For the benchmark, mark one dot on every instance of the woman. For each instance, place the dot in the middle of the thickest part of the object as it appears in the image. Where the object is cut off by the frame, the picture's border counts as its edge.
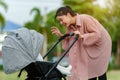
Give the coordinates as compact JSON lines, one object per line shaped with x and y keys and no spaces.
{"x":90,"y":55}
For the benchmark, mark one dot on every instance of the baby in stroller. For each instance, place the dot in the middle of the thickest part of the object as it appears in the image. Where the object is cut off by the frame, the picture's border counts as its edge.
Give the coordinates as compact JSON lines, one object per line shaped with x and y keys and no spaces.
{"x":21,"y":52}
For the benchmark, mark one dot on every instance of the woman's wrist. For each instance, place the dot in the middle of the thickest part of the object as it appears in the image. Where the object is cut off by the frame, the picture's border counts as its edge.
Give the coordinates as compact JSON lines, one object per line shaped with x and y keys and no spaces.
{"x":60,"y":35}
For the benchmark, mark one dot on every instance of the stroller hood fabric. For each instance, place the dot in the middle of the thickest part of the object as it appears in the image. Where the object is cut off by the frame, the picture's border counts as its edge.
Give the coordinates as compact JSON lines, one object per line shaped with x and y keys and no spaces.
{"x":20,"y":48}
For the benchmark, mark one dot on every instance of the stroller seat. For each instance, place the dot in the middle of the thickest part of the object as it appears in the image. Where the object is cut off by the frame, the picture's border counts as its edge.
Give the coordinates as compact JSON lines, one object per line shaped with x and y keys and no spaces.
{"x":38,"y":70}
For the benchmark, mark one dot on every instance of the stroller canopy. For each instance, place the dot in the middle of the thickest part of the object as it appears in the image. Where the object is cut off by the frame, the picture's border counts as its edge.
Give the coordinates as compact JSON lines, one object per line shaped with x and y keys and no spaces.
{"x":20,"y":48}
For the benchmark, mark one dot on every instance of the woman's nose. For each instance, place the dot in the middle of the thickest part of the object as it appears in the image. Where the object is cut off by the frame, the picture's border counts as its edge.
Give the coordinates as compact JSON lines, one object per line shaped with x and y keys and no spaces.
{"x":61,"y":22}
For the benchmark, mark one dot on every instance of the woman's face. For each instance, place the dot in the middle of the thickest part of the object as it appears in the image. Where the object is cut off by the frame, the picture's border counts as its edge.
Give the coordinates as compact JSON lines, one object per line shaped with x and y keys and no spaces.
{"x":65,"y":20}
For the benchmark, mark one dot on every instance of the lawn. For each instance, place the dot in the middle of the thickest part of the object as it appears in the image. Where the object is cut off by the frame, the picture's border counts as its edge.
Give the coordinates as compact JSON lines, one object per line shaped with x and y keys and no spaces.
{"x":112,"y":75}
{"x":13,"y":76}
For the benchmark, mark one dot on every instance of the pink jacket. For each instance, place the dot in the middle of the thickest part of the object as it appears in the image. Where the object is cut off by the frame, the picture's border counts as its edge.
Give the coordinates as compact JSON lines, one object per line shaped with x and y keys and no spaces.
{"x":89,"y":56}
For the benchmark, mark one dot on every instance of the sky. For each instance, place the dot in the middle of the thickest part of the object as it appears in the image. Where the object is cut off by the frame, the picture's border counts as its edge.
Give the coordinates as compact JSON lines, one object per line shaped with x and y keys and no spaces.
{"x":101,"y":2}
{"x":19,"y":10}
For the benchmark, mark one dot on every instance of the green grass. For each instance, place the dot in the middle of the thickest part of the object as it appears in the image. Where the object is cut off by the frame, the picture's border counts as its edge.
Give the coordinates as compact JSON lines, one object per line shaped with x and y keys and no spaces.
{"x":112,"y":75}
{"x":13,"y":76}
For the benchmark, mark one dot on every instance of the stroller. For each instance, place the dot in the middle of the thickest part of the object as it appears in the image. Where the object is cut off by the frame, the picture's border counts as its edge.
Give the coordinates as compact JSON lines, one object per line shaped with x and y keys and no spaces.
{"x":20,"y":50}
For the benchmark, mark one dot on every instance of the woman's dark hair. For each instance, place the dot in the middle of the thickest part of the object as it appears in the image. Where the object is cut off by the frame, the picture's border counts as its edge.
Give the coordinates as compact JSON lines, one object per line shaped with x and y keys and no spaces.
{"x":64,"y":10}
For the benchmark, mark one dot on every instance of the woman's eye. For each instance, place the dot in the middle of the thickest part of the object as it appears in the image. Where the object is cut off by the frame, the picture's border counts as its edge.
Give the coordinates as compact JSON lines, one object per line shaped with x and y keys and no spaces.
{"x":61,"y":20}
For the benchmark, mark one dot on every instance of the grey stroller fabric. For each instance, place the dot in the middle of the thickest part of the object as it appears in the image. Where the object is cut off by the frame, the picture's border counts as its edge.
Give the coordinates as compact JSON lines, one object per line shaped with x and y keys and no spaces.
{"x":20,"y":48}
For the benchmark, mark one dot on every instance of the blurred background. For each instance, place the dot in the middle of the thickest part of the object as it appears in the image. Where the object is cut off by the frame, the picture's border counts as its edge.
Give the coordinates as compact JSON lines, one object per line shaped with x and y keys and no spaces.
{"x":39,"y":15}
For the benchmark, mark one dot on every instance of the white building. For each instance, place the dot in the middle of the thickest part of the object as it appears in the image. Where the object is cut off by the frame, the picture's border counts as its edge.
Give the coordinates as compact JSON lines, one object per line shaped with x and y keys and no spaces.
{"x":1,"y":40}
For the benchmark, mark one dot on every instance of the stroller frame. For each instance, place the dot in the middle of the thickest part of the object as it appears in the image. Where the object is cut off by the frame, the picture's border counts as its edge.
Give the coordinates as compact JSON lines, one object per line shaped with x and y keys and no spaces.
{"x":54,"y":65}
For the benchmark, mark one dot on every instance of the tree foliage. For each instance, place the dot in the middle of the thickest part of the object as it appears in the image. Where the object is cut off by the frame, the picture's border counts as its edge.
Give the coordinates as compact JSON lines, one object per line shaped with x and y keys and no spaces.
{"x":36,"y":23}
{"x":2,"y":19}
{"x":114,"y":8}
{"x":115,"y":16}
{"x":80,"y":6}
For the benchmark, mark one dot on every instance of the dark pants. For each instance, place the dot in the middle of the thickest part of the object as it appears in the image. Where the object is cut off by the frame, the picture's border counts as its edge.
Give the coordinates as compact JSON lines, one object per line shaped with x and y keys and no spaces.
{"x":103,"y":77}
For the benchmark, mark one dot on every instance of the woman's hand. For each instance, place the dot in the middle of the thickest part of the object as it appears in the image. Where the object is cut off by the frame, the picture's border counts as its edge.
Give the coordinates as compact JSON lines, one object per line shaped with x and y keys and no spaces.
{"x":77,"y":32}
{"x":56,"y":31}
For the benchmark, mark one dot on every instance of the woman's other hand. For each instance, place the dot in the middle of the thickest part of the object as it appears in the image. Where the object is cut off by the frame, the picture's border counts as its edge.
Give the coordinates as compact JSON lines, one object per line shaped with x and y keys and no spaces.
{"x":56,"y":31}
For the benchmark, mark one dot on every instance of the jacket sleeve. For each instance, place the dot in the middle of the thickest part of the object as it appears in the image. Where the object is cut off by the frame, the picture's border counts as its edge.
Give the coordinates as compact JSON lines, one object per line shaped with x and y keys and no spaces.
{"x":93,"y":34}
{"x":65,"y":43}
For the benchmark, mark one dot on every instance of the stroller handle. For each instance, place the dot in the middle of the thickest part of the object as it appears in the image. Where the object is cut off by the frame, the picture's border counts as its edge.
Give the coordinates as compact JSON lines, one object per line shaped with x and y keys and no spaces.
{"x":60,"y":39}
{"x":57,"y":62}
{"x":66,"y":35}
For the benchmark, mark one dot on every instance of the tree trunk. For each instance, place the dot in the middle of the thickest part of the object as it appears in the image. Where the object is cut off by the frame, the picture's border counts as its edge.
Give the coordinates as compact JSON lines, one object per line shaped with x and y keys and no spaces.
{"x":117,"y":61}
{"x":44,"y":50}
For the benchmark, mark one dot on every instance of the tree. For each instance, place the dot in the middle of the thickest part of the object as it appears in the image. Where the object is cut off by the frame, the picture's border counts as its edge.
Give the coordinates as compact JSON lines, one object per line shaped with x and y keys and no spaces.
{"x":80,"y":6}
{"x":36,"y":22}
{"x":2,"y":19}
{"x":114,"y":7}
